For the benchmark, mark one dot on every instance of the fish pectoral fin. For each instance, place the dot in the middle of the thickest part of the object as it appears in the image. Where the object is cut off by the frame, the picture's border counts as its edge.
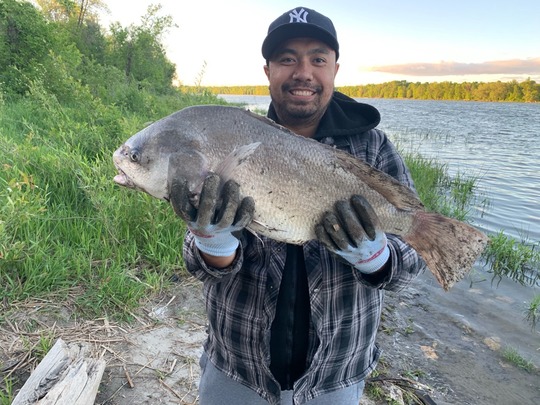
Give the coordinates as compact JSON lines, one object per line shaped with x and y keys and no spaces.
{"x":260,"y":224}
{"x":257,"y":225}
{"x":235,"y":159}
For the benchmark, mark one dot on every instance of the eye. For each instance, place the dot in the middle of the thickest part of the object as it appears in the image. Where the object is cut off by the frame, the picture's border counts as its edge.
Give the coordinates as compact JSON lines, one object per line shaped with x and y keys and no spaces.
{"x":286,"y":60}
{"x":134,"y":155}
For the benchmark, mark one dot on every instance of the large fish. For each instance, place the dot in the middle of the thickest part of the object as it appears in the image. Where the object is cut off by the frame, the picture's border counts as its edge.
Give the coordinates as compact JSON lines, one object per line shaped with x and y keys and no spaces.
{"x":292,"y":179}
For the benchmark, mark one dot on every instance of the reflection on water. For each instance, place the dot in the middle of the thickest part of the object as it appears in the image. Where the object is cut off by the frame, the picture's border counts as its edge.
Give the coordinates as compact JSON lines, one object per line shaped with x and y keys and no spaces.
{"x":500,"y":144}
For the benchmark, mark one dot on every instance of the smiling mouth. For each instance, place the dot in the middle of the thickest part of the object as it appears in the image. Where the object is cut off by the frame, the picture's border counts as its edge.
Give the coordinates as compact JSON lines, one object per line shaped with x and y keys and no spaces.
{"x":302,"y":93}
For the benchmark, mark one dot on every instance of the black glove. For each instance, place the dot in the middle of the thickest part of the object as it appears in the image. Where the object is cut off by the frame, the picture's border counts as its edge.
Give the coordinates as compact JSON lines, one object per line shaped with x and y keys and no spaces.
{"x":354,"y":233}
{"x":217,"y":215}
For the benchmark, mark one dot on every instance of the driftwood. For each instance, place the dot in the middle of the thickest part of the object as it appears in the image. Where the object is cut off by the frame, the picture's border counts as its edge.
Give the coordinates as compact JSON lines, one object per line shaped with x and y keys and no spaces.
{"x":65,"y":376}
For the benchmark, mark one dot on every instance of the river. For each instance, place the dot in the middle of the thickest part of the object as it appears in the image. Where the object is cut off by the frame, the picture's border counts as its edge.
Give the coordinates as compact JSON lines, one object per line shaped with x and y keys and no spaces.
{"x":500,"y":144}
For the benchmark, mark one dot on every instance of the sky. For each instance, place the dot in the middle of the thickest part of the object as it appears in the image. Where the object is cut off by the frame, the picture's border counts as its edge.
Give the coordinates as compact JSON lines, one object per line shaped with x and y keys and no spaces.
{"x":219,"y":41}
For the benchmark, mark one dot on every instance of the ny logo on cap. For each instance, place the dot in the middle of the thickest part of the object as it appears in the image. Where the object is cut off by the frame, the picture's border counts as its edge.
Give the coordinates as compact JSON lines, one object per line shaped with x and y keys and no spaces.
{"x":298,"y":16}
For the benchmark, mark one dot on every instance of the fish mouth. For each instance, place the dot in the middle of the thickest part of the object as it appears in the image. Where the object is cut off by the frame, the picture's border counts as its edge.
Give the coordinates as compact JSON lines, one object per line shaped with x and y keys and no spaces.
{"x":123,"y":179}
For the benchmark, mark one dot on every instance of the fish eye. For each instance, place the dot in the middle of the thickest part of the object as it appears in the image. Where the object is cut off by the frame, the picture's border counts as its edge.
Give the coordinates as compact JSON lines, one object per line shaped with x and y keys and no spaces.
{"x":134,"y":155}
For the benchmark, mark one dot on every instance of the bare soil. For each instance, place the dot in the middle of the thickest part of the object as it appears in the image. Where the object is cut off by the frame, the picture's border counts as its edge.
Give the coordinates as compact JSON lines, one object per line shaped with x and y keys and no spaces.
{"x":155,"y":359}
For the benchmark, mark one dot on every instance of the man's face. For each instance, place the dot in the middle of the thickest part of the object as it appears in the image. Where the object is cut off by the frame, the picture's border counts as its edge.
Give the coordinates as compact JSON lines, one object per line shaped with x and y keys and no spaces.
{"x":301,"y":74}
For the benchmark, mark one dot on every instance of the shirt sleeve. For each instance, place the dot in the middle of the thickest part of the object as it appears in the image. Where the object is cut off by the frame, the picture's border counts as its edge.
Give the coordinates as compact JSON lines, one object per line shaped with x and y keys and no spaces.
{"x":196,"y":266}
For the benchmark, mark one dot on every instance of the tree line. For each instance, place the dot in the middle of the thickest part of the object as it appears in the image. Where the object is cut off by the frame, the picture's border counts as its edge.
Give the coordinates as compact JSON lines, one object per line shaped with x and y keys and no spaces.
{"x":525,"y":91}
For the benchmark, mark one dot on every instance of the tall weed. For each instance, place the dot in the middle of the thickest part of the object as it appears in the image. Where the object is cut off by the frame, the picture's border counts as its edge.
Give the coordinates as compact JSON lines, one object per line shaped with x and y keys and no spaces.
{"x":451,"y":196}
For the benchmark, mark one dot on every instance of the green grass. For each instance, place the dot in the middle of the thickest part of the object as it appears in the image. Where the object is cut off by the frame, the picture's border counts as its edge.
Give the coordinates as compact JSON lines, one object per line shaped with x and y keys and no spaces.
{"x":440,"y":192}
{"x":512,"y":356}
{"x":519,"y":261}
{"x":7,"y":392}
{"x":532,"y":313}
{"x":515,"y":259}
{"x":64,"y":224}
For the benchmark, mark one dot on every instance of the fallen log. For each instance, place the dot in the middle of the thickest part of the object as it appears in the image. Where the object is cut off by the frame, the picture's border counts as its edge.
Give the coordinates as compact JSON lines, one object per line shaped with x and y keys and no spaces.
{"x":67,"y":375}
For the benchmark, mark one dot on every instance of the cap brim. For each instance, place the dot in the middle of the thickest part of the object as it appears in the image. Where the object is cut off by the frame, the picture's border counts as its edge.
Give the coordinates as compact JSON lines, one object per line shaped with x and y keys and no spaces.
{"x":288,"y":31}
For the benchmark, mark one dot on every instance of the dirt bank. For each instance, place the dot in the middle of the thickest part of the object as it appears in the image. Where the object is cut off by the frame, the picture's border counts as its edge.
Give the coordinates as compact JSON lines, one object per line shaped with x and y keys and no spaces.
{"x":155,"y":360}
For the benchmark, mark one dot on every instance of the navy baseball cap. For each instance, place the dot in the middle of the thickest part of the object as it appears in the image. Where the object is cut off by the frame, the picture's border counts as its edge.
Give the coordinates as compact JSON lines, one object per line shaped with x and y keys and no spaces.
{"x":300,"y":22}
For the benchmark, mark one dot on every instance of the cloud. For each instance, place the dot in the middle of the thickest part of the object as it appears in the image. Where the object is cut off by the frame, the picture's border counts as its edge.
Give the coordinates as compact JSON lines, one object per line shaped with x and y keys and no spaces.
{"x":512,"y":66}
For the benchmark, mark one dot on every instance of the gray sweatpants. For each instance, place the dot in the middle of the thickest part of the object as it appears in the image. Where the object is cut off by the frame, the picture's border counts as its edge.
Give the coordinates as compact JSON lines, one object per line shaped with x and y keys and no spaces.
{"x":216,"y":388}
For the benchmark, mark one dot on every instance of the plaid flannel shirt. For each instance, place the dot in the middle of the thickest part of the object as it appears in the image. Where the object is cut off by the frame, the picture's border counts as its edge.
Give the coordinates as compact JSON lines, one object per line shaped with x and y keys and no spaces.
{"x":345,"y":306}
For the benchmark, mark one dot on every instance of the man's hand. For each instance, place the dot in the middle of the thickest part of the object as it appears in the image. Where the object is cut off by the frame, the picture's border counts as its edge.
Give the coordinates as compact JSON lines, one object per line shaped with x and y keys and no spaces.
{"x":354,"y":233}
{"x":217,"y":216}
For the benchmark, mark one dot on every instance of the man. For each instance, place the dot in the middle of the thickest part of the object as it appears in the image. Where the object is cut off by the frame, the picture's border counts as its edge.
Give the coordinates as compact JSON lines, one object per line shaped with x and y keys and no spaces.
{"x":297,"y":324}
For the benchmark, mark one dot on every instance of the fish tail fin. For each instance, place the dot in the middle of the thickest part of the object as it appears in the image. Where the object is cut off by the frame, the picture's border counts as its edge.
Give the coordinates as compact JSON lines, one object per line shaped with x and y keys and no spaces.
{"x":448,"y":247}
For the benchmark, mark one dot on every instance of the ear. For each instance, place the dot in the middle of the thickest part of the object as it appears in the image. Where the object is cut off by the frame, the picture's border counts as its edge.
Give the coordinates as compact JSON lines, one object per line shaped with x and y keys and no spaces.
{"x":267,"y":71}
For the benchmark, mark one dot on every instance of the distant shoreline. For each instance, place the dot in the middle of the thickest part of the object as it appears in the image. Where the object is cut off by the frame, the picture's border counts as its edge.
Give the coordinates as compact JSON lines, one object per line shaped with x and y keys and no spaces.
{"x":527,"y":91}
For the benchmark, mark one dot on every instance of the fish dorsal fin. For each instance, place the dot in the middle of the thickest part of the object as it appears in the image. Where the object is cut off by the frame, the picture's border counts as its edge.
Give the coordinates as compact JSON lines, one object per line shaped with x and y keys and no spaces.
{"x":396,"y":193}
{"x":235,"y":159}
{"x":269,"y":121}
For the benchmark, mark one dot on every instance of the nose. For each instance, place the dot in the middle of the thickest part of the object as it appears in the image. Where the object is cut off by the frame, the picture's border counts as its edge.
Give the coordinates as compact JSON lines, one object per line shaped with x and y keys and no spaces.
{"x":303,"y":71}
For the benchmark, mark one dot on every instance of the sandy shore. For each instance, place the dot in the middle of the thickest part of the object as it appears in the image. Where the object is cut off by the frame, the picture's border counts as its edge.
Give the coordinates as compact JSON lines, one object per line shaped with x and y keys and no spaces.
{"x":425,"y":355}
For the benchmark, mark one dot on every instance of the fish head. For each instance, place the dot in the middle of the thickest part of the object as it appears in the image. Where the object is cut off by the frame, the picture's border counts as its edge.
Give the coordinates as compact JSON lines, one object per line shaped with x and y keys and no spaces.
{"x":151,"y":158}
{"x":141,"y":166}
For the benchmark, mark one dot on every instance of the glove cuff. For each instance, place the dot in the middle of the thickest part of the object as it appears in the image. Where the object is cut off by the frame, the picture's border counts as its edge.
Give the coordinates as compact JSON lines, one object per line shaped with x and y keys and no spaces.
{"x":375,"y":262}
{"x":221,"y":244}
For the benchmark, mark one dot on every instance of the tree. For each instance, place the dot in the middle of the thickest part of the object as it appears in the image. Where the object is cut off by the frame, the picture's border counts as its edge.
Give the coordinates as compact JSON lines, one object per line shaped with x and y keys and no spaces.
{"x":516,"y":94}
{"x":138,"y":51}
{"x":531,"y":91}
{"x":66,"y":10}
{"x":498,"y":91}
{"x":25,"y":42}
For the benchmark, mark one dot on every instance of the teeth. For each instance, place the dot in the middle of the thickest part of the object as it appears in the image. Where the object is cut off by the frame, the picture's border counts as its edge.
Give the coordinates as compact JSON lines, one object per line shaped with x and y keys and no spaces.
{"x":302,"y":92}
